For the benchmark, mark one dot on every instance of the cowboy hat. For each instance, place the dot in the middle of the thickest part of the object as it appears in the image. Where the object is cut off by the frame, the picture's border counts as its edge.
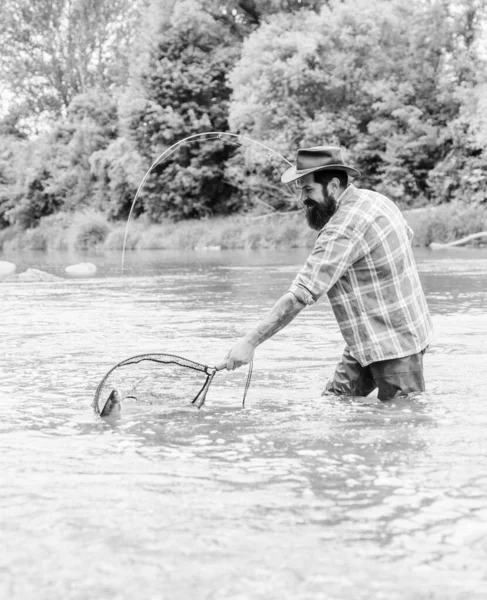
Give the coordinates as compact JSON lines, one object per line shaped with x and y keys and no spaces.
{"x":318,"y":158}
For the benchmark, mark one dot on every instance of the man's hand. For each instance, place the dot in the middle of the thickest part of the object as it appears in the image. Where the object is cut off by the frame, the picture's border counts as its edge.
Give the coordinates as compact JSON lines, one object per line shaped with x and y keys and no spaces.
{"x":241,"y":354}
{"x":282,"y":313}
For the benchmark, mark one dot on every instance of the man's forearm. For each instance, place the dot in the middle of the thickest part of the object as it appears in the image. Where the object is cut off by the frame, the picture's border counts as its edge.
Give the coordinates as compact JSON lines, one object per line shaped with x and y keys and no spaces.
{"x":281,"y":314}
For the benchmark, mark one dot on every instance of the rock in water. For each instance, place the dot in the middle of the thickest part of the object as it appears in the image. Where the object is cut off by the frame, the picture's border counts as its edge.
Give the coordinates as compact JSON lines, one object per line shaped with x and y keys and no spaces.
{"x":85,"y":269}
{"x":6,"y":268}
{"x":37,"y":275}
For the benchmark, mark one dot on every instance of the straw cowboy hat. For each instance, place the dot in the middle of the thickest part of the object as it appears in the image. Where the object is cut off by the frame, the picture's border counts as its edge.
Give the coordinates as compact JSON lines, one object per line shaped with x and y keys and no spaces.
{"x":318,"y":158}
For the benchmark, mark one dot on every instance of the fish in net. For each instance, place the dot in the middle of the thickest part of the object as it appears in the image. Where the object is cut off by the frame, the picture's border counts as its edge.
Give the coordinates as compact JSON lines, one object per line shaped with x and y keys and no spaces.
{"x":155,"y":378}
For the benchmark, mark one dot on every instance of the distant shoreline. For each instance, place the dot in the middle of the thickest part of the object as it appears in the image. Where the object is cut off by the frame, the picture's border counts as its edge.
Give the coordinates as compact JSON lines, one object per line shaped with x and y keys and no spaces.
{"x":90,"y":230}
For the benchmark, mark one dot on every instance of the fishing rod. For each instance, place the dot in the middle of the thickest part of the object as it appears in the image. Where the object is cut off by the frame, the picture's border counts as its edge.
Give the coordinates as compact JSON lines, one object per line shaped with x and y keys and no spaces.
{"x":269,"y":152}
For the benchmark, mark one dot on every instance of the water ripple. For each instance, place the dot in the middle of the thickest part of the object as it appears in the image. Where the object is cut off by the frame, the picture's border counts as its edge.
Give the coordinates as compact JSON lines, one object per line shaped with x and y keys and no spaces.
{"x":295,"y":496}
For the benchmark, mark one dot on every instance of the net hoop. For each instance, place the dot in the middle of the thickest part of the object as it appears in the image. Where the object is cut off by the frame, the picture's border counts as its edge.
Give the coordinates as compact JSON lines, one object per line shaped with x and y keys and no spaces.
{"x":168,"y":359}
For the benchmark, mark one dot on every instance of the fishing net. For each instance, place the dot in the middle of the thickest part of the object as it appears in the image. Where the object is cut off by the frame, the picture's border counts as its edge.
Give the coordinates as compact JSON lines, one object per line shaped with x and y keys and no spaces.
{"x":158,"y":379}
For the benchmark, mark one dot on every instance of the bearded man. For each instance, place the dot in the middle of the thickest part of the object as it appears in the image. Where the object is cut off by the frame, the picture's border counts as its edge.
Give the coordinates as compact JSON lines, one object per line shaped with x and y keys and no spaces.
{"x":363,"y":261}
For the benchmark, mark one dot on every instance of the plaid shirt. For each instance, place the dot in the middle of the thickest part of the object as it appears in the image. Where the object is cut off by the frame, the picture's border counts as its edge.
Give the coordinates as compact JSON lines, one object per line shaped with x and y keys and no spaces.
{"x":364,"y":261}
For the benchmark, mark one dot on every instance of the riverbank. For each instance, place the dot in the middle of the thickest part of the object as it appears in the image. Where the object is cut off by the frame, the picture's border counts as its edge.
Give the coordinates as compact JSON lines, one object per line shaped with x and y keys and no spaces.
{"x":91,"y":230}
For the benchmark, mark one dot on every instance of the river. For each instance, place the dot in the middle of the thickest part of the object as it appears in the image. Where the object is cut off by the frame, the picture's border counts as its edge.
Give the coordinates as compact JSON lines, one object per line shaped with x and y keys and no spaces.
{"x":292,"y":497}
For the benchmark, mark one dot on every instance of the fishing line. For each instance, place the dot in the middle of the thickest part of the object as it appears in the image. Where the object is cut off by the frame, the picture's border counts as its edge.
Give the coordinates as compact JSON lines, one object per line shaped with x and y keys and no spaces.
{"x":267,"y":152}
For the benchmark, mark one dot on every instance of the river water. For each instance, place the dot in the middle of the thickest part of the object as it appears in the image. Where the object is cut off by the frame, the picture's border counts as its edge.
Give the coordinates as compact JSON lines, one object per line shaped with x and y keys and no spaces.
{"x":293,"y":497}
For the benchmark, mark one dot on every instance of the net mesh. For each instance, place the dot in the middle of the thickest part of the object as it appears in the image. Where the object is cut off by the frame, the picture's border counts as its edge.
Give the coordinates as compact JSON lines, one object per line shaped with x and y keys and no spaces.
{"x":158,"y":378}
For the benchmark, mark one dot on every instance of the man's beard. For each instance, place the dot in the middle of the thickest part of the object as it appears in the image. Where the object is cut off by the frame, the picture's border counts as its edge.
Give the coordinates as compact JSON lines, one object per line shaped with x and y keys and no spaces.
{"x":318,"y":215}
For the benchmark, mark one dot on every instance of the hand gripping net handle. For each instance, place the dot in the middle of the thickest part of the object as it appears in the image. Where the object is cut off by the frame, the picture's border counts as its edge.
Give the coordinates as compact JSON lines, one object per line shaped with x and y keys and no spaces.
{"x":200,"y":397}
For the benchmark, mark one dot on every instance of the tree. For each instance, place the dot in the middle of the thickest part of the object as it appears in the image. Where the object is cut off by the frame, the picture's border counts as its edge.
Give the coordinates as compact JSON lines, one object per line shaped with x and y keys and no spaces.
{"x":57,"y":174}
{"x":13,"y":157}
{"x":183,"y":91}
{"x":461,"y":174}
{"x":56,"y":49}
{"x":302,"y":78}
{"x":423,"y":95}
{"x":118,"y":171}
{"x":377,"y":78}
{"x":243,"y":16}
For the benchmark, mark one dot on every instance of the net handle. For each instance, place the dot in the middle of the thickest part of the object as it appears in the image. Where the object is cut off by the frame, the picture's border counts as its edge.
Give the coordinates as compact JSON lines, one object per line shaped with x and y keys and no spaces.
{"x":223,"y":365}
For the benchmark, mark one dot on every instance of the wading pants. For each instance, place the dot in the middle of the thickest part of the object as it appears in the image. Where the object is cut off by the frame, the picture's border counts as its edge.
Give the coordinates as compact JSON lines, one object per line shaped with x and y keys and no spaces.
{"x":393,"y":378}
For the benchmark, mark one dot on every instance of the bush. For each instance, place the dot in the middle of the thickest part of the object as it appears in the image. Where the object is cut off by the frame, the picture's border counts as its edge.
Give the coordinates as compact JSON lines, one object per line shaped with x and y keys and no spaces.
{"x":445,"y":223}
{"x":89,"y":230}
{"x":6,"y":235}
{"x":35,"y":239}
{"x":115,"y":239}
{"x":26,"y":239}
{"x":157,"y":237}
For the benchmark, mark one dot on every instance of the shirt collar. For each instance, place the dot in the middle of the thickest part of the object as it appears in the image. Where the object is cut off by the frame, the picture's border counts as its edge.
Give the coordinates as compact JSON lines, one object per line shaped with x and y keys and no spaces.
{"x":347,"y":189}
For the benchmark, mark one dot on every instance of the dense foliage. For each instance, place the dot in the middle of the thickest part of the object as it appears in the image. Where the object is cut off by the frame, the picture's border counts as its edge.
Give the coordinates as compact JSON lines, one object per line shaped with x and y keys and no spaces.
{"x":96,"y":91}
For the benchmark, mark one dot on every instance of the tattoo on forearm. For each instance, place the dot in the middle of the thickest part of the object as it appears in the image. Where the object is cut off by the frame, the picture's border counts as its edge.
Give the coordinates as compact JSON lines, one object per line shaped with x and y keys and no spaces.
{"x":281,"y":314}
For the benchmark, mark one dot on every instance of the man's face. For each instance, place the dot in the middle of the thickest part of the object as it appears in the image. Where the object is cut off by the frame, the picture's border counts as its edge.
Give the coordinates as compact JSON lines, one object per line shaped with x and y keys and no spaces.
{"x":319,"y":204}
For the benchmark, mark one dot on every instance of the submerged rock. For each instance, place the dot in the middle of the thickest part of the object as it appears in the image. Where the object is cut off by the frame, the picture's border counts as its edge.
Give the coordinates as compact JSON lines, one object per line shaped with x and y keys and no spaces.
{"x":37,"y":275}
{"x":6,"y":268}
{"x":85,"y":269}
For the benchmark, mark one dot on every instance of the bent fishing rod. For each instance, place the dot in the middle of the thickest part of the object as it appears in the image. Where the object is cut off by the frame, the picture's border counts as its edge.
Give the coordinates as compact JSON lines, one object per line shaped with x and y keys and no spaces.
{"x":263,"y":149}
